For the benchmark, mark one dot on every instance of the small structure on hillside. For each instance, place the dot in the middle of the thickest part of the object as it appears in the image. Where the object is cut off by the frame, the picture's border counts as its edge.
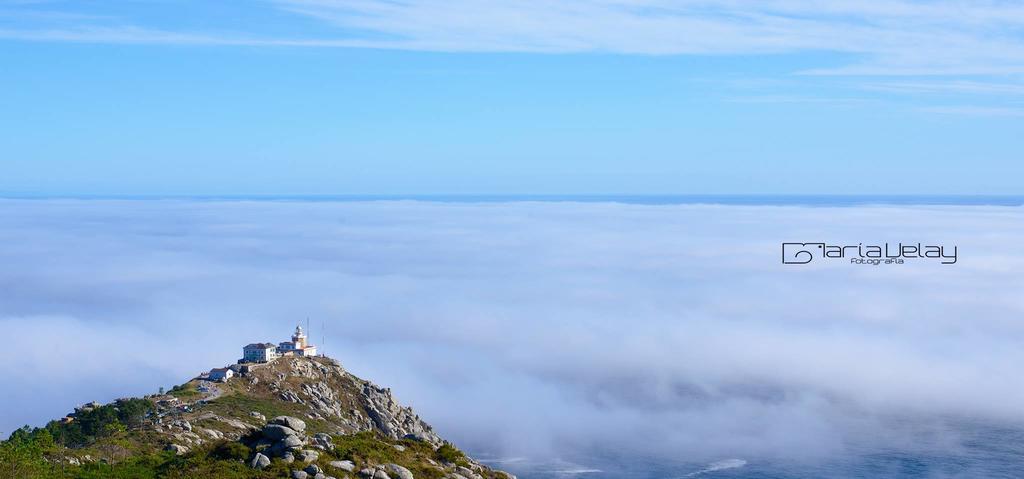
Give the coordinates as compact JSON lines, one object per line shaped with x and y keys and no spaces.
{"x":87,"y":407}
{"x":220,"y":374}
{"x":267,"y":352}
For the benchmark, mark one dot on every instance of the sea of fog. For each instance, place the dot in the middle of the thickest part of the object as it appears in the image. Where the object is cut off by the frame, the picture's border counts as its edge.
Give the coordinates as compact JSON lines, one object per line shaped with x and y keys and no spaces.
{"x":985,"y":451}
{"x":554,"y":336}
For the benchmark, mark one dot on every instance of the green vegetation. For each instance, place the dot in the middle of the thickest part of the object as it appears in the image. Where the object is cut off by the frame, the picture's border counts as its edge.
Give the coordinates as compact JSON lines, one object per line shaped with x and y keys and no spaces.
{"x":30,"y":453}
{"x":136,"y":467}
{"x":230,"y":450}
{"x":365,"y":447}
{"x":168,"y":466}
{"x":33,"y":454}
{"x":371,"y":448}
{"x":238,"y":405}
{"x":23,"y":455}
{"x":184,"y":391}
{"x":451,"y":454}
{"x":123,"y":440}
{"x":100,"y":422}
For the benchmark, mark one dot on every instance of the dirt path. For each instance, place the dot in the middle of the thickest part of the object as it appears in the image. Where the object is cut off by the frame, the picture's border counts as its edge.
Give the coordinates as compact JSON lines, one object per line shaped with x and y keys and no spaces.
{"x":213,"y":391}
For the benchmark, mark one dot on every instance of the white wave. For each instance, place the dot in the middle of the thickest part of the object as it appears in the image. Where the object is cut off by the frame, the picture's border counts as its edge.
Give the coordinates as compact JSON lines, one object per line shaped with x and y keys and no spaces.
{"x":719,"y":466}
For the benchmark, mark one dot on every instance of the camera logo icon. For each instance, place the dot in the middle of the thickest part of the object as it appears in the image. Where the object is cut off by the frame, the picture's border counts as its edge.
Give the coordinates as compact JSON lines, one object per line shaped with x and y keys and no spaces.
{"x":801,"y":253}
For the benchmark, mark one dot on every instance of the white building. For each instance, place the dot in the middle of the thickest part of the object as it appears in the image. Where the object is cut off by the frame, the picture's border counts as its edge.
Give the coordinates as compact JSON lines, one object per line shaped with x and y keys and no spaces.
{"x":266,"y":352}
{"x":221,"y":374}
{"x":259,"y":353}
{"x":297,"y":346}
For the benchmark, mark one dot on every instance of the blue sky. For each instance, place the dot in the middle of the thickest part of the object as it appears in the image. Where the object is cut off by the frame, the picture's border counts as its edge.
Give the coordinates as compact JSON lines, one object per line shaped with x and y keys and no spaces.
{"x":422,"y":96}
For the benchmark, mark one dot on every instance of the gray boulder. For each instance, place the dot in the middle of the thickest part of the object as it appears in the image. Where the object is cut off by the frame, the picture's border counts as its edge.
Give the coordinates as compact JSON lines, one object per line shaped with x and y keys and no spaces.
{"x":259,"y":461}
{"x":291,"y":442}
{"x":380,"y":474}
{"x":299,"y":475}
{"x":294,"y":423}
{"x":313,"y":469}
{"x":277,"y":432}
{"x":323,"y":441}
{"x":178,"y":449}
{"x":399,"y":471}
{"x":347,"y":466}
{"x":307,"y":455}
{"x":288,"y":457}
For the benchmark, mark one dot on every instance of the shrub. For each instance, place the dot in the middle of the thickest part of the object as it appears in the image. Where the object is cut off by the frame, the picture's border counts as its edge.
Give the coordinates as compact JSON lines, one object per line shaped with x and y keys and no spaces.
{"x":449,"y":453}
{"x":21,"y":456}
{"x":363,"y":447}
{"x":232,"y":451}
{"x":183,"y":391}
{"x":99,"y":422}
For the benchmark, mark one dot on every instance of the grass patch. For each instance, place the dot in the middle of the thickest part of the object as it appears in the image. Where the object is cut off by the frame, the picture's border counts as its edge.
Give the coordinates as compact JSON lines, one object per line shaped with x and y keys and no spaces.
{"x":184,"y":391}
{"x":237,"y":405}
{"x":371,"y":448}
{"x":365,"y":448}
{"x":451,"y":454}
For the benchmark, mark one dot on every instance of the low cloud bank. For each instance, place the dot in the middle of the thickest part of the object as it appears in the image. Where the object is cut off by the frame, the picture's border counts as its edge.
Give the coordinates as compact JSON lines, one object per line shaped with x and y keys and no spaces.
{"x":535,"y":328}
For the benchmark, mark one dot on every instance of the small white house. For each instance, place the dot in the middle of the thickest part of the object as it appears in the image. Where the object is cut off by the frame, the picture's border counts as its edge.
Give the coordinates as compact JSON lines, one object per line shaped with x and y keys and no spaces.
{"x":221,"y":374}
{"x":259,"y":353}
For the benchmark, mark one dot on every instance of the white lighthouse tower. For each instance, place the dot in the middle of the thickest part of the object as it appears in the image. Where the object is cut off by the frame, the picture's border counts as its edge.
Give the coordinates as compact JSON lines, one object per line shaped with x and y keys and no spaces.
{"x":299,"y":338}
{"x":298,"y":346}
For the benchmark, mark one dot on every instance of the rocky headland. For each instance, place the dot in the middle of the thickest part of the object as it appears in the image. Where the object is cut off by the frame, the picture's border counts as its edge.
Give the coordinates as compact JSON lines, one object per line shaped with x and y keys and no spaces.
{"x":294,"y":417}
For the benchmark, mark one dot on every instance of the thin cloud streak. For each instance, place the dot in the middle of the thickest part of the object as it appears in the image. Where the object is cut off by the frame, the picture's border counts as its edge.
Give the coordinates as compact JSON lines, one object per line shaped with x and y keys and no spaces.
{"x":952,"y":87}
{"x":873,"y":37}
{"x":979,"y":111}
{"x":902,"y":38}
{"x":143,"y":36}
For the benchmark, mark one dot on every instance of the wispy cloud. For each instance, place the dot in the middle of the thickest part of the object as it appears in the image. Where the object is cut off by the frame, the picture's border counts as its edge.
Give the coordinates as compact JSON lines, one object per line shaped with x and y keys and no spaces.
{"x":900,"y":37}
{"x":948,"y":87}
{"x":969,"y":110}
{"x":801,"y":99}
{"x":138,"y":35}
